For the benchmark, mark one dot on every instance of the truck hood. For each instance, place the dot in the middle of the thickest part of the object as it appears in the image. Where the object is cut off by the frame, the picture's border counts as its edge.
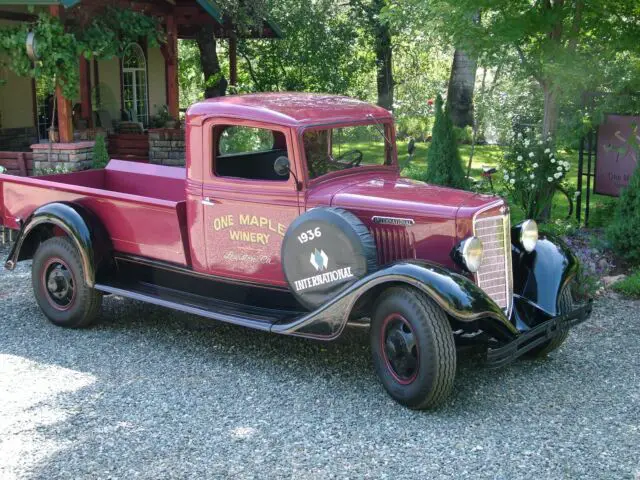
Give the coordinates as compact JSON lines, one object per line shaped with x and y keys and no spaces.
{"x":402,"y":196}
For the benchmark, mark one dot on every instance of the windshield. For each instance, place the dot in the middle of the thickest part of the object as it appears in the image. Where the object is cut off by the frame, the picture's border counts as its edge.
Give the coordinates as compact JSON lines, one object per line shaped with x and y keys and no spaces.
{"x":334,"y":149}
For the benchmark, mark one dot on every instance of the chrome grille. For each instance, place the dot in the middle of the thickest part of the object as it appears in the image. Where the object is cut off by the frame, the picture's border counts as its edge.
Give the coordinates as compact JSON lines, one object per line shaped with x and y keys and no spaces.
{"x":392,"y":243}
{"x":494,"y":275}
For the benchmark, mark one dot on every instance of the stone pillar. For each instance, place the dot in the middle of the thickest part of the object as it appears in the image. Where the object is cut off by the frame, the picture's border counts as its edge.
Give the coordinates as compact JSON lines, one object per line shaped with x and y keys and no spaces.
{"x":62,"y":157}
{"x":167,"y":146}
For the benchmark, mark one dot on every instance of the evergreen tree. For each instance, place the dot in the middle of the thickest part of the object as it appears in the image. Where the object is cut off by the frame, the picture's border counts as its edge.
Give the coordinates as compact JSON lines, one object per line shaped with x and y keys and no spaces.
{"x":623,"y":231}
{"x":444,"y":165}
{"x":100,"y":154}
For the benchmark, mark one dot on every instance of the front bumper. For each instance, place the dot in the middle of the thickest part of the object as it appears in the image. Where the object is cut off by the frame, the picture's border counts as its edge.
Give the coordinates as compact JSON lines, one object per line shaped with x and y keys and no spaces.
{"x":547,"y":330}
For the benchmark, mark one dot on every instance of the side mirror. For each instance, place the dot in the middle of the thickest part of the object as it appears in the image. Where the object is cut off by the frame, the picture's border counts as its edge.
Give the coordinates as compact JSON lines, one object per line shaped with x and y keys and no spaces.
{"x":411,"y":146}
{"x":281,"y":166}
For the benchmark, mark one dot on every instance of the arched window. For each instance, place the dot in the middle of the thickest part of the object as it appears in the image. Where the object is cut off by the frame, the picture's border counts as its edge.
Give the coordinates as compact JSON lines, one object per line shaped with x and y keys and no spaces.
{"x":134,"y":84}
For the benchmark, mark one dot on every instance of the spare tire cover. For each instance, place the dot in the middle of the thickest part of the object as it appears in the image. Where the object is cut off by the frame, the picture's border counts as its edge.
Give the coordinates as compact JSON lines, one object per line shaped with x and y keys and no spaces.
{"x":324,"y":251}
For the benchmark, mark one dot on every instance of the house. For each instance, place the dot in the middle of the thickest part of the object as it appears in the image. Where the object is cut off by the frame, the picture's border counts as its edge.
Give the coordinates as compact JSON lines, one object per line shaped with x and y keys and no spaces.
{"x":117,"y":95}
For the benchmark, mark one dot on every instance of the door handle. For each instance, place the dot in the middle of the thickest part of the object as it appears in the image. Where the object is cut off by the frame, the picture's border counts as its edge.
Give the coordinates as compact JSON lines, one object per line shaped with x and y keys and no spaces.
{"x":207,"y":201}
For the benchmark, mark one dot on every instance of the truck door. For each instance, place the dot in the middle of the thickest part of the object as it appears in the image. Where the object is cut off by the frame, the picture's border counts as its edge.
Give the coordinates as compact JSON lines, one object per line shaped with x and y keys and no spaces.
{"x":247,"y":205}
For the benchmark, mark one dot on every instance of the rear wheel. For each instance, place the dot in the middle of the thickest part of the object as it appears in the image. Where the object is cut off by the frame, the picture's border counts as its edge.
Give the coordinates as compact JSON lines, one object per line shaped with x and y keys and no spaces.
{"x":413,"y":348}
{"x":57,"y":276}
{"x":565,"y":305}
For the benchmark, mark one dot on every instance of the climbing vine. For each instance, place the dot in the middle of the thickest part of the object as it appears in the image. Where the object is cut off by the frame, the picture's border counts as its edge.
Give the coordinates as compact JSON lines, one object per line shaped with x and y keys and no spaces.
{"x":102,"y":36}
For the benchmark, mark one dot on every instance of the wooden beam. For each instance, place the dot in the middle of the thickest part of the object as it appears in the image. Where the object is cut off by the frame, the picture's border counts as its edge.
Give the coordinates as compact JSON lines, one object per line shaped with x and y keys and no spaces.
{"x":65,"y":110}
{"x":17,"y":16}
{"x":233,"y":60}
{"x":171,"y":62}
{"x":85,"y":91}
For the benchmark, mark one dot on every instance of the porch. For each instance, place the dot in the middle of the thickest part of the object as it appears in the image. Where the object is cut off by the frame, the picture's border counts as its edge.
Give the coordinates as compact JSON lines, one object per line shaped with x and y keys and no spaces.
{"x":133,"y":100}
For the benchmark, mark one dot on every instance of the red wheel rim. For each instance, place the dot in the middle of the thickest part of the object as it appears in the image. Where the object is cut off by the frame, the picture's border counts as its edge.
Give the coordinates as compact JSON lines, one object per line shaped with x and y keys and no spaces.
{"x":400,"y":349}
{"x":58,"y":284}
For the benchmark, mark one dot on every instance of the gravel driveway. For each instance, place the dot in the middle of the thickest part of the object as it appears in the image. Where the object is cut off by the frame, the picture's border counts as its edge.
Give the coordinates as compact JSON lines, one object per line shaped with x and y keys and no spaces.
{"x":150,"y":393}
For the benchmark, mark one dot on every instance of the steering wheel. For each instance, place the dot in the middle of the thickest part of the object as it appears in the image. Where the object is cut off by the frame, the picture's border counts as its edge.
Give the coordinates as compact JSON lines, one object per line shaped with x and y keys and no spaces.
{"x":352,"y":158}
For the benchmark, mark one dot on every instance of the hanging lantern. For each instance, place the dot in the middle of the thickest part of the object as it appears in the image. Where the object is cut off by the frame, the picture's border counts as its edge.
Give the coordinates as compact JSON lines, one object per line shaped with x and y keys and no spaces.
{"x":32,"y":47}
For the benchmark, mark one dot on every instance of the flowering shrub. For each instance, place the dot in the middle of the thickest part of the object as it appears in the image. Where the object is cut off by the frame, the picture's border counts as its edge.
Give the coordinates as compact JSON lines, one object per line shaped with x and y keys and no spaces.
{"x":532,"y":172}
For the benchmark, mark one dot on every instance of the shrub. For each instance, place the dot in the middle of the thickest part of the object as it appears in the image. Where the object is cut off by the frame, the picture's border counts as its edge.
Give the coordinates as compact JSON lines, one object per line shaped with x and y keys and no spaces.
{"x":531,"y":173}
{"x":623,"y":230}
{"x":413,"y":127}
{"x":100,"y":154}
{"x":464,"y":136}
{"x":444,"y":166}
{"x":629,"y":286}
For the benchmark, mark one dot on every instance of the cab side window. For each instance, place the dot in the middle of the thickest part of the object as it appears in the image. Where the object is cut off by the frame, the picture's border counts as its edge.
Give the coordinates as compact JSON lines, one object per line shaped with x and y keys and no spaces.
{"x":248,"y":152}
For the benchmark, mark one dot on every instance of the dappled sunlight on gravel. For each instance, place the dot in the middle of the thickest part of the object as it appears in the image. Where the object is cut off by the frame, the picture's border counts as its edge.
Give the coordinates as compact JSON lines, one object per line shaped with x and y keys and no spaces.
{"x":150,"y":393}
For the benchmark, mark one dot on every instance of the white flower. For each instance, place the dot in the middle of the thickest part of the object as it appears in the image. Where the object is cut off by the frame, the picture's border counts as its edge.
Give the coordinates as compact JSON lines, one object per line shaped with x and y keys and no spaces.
{"x":547,"y":150}
{"x":557,"y":175}
{"x":519,"y":135}
{"x":535,"y":165}
{"x":512,"y":181}
{"x":539,"y":142}
{"x":532,"y":176}
{"x":549,"y":179}
{"x":519,"y":158}
{"x":526,"y":142}
{"x":531,"y":154}
{"x":560,"y":168}
{"x":533,"y":185}
{"x":553,"y":160}
{"x":577,"y":194}
{"x":506,"y":176}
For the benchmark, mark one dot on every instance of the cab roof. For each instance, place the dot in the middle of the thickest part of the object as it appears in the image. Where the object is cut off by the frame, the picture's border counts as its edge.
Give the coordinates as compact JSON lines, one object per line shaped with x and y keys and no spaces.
{"x":289,"y":108}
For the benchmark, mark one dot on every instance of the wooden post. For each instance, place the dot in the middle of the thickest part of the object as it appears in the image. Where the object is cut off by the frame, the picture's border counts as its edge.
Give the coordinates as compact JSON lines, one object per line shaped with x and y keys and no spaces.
{"x":65,"y":111}
{"x":233,"y":59}
{"x":85,"y":91}
{"x":171,"y":61}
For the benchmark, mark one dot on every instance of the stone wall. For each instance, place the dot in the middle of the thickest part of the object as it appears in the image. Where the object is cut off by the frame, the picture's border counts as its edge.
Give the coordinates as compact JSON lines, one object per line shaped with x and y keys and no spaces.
{"x":62,"y":157}
{"x":17,"y":139}
{"x":167,"y":146}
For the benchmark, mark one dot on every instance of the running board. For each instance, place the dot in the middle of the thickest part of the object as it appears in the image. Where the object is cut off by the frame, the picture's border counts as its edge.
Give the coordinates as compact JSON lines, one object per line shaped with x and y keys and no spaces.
{"x":214,"y":309}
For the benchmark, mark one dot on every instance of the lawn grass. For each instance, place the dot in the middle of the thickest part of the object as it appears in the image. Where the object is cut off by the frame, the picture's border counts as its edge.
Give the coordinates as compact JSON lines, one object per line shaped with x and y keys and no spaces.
{"x":630,"y":286}
{"x":490,"y":155}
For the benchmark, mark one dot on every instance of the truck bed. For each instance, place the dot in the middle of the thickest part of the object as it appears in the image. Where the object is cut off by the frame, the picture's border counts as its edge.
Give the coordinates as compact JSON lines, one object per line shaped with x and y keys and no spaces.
{"x":142,"y":206}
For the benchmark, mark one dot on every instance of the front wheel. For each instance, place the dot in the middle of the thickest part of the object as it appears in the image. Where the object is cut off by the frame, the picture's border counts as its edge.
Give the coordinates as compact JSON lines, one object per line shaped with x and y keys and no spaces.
{"x":413,"y":348}
{"x":57,"y":275}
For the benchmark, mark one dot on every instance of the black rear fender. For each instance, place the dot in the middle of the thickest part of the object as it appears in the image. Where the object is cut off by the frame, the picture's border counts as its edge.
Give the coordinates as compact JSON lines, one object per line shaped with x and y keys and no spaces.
{"x":76,"y":222}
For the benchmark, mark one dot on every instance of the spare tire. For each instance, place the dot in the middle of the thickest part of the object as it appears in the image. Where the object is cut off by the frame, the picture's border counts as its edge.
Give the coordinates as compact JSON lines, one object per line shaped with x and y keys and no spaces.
{"x":323,"y":252}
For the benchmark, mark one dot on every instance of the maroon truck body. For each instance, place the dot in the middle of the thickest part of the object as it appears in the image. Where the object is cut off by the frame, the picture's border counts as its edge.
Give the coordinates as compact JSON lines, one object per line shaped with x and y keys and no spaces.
{"x":157,"y":211}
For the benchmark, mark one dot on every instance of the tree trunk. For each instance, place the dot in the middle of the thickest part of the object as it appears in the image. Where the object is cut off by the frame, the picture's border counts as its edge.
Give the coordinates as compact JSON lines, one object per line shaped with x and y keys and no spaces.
{"x":384,"y":60}
{"x":214,"y":81}
{"x":550,"y":119}
{"x":461,"y":85}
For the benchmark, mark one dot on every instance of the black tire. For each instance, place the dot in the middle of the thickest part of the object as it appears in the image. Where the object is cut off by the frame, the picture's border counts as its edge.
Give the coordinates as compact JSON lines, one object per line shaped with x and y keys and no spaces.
{"x":429,"y":383}
{"x":565,"y":305}
{"x":324,"y":251}
{"x":58,"y":282}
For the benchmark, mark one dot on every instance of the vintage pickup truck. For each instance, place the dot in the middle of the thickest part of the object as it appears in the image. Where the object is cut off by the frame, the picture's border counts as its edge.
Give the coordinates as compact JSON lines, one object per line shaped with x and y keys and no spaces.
{"x":291,"y":216}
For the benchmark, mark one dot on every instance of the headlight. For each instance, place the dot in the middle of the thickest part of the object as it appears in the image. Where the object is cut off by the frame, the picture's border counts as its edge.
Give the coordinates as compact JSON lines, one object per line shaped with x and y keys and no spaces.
{"x":469,"y":253}
{"x":528,"y":235}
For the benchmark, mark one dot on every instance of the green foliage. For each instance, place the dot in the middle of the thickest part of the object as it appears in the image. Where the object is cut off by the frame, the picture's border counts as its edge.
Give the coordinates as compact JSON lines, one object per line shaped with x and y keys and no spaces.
{"x":532,"y":172}
{"x":444,"y":165}
{"x":629,"y":286}
{"x":464,"y":135}
{"x":160,"y":119}
{"x":100,"y":154}
{"x":103,"y":36}
{"x":623,"y":230}
{"x":418,"y":128}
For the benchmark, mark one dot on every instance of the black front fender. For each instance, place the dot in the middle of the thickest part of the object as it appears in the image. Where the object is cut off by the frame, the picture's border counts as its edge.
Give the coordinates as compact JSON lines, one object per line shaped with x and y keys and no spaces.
{"x":458,"y":296}
{"x":540,"y":276}
{"x":78,"y":223}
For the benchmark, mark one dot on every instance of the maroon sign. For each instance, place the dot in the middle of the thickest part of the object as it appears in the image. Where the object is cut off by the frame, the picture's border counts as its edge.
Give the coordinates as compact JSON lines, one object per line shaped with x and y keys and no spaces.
{"x":617,"y":157}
